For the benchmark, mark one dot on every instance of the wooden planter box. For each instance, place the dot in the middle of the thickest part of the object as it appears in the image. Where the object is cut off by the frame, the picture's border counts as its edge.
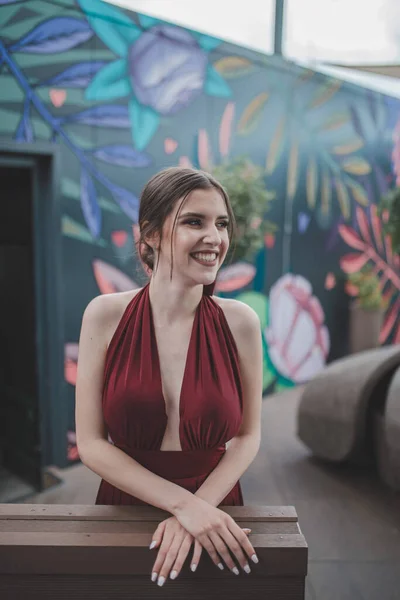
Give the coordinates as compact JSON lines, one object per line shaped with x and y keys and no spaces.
{"x":62,"y":552}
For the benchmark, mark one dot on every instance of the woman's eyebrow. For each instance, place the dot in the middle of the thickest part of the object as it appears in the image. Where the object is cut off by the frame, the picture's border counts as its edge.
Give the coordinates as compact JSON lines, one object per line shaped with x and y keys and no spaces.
{"x":200,"y":215}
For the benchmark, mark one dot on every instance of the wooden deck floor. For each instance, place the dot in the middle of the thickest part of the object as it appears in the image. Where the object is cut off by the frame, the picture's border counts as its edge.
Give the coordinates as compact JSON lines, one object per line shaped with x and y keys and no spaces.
{"x":350,"y":520}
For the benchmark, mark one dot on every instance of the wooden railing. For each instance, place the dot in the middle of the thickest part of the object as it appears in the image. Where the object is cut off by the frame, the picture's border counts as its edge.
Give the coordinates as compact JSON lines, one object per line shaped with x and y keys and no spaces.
{"x":69,"y":552}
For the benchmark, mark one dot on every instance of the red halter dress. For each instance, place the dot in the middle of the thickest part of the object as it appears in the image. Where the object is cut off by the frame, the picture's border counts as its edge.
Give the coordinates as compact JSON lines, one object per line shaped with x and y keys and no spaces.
{"x":210,"y":401}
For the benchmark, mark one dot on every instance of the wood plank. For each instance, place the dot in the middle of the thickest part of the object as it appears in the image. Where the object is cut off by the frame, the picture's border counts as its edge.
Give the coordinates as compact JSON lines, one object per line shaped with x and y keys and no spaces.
{"x":140,"y":513}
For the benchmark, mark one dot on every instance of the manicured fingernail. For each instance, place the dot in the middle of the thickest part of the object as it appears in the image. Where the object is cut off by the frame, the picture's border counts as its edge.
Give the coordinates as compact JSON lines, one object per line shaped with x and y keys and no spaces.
{"x":161,"y":581}
{"x":173,"y":574}
{"x":247,"y":529}
{"x":254,"y":558}
{"x":152,"y":545}
{"x":154,"y":576}
{"x":193,"y":566}
{"x":235,"y":570}
{"x":247,"y":569}
{"x":221,"y":566}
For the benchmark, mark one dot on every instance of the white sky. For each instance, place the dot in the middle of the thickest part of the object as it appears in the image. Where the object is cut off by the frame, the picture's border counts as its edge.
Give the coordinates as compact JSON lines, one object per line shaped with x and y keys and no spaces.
{"x":345,"y":31}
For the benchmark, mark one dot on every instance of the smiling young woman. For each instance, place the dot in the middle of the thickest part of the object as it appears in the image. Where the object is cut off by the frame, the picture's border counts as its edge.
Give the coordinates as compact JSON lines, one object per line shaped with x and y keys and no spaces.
{"x":174,"y":376}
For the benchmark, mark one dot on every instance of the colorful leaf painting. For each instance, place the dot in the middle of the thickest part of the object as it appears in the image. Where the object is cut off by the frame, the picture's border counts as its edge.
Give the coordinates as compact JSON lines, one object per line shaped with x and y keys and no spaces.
{"x":110,"y":279}
{"x":335,"y":121}
{"x":234,"y":277}
{"x":251,"y":115}
{"x":276,"y":147}
{"x":225,"y":129}
{"x":312,"y":183}
{"x":122,"y":155}
{"x":54,"y":35}
{"x":293,"y":170}
{"x":90,"y":206}
{"x":72,"y":229}
{"x":359,"y":193}
{"x":204,"y":150}
{"x":343,"y":198}
{"x":357,"y":166}
{"x":324,"y":214}
{"x":70,"y":363}
{"x":325,"y":93}
{"x":352,"y":146}
{"x":233,"y":66}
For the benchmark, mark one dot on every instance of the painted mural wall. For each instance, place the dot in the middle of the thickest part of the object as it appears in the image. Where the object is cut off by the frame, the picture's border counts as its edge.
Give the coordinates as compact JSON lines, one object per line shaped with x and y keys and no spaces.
{"x":125,"y":95}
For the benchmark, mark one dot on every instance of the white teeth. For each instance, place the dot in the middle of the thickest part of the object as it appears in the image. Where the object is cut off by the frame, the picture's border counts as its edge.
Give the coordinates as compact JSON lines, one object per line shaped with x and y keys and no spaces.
{"x":209,"y":256}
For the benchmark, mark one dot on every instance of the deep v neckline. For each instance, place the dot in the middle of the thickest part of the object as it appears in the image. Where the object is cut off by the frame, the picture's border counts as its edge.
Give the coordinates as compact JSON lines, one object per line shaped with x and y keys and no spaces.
{"x":181,"y":405}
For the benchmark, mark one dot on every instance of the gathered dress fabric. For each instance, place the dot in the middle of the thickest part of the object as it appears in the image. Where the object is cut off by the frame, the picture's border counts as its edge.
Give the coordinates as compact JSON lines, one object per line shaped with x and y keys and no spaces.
{"x":210,"y":407}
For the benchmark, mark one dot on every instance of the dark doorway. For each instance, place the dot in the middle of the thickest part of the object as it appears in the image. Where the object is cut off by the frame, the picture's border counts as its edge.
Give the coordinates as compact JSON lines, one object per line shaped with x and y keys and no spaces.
{"x":32,"y":408}
{"x":19,"y":411}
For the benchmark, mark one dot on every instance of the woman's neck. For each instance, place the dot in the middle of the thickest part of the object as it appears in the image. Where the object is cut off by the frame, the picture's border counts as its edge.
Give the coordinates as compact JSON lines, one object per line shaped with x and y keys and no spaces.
{"x":172,"y":300}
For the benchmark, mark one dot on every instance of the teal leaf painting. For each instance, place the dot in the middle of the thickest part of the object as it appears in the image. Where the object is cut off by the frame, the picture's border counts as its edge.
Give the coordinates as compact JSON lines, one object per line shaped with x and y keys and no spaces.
{"x":110,"y":82}
{"x":144,"y":122}
{"x":216,"y":85}
{"x":112,"y":26}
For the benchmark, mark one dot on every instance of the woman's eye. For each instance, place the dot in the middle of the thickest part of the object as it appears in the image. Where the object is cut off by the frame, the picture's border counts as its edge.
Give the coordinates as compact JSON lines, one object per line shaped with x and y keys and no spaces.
{"x":193,"y":222}
{"x":223,"y":224}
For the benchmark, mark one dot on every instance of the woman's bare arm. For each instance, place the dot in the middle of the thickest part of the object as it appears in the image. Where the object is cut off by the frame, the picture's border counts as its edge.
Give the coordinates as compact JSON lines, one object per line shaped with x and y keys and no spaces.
{"x":109,"y":462}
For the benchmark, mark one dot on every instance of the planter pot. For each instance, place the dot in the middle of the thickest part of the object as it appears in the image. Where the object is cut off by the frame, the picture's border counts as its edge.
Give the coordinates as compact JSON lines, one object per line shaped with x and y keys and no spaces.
{"x":365,"y":327}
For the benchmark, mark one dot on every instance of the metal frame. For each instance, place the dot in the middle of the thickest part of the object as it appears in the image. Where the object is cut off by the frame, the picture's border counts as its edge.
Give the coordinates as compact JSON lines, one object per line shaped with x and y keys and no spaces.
{"x":43,"y":160}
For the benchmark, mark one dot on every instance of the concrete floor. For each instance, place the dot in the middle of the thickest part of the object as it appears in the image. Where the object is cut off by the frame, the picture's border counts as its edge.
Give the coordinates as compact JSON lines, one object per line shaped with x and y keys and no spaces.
{"x":350,"y":520}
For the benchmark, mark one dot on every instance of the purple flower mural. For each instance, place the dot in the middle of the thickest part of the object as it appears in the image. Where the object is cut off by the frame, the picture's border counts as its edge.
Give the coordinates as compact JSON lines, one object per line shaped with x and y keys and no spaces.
{"x":167,"y":69}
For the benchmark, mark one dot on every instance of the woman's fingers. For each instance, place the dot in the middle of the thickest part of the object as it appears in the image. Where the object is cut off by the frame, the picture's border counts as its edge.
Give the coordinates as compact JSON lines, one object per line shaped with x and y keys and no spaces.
{"x":198,"y":549}
{"x":162,"y":554}
{"x":170,"y":557}
{"x":243,"y":540}
{"x":183,"y":551}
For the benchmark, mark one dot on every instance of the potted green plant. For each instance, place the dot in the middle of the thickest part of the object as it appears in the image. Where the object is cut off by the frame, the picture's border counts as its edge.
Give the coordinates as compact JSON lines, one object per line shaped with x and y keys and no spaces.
{"x":389,"y":211}
{"x":244,"y":181}
{"x":366,"y":311}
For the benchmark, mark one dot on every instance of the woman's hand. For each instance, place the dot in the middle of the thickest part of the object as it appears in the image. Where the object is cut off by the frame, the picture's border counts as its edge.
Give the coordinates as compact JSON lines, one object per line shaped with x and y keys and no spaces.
{"x":174,"y":544}
{"x":217,"y":532}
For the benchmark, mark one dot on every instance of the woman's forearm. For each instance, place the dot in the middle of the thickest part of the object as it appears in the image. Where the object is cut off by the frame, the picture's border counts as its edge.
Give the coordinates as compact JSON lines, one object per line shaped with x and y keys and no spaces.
{"x":239,"y":455}
{"x":126,"y":474}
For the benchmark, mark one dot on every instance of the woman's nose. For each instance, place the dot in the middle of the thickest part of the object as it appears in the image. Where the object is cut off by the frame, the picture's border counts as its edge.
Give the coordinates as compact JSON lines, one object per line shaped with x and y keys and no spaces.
{"x":212,"y":236}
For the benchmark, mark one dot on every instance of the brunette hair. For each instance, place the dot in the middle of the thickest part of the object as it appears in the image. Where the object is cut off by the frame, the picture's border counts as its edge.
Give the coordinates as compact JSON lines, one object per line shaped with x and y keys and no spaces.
{"x":159,"y":197}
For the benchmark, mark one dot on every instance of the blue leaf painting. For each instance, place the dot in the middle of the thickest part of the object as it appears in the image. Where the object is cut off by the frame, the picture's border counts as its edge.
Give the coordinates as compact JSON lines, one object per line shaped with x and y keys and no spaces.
{"x":2,"y":2}
{"x":90,"y":207}
{"x":75,"y":76}
{"x":122,"y":155}
{"x":105,"y":115}
{"x":216,"y":85}
{"x":54,"y":35}
{"x":110,"y":83}
{"x":127,"y":201}
{"x":145,"y":122}
{"x":24,"y":132}
{"x":303,"y":221}
{"x":112,"y":26}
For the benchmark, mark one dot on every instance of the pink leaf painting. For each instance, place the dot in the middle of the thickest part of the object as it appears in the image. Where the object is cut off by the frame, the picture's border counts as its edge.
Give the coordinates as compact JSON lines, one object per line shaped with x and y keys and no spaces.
{"x":204,"y":152}
{"x":390,"y":321}
{"x":57,"y":97}
{"x":225,"y":129}
{"x":376,"y":227}
{"x":363,"y":225}
{"x":353,"y":262}
{"x":185,"y":162}
{"x":269,"y":240}
{"x":119,"y":238}
{"x":70,"y":363}
{"x":170,"y":145}
{"x":330,"y":281}
{"x":110,"y":279}
{"x":388,"y":246}
{"x":235,"y":277}
{"x":351,"y":237}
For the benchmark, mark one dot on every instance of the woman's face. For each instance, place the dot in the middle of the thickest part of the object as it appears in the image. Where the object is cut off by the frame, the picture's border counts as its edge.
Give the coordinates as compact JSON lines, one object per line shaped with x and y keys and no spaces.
{"x":200,"y":238}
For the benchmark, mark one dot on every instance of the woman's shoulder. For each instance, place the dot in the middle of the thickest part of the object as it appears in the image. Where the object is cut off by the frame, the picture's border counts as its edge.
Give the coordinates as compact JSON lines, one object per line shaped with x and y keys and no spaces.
{"x":104,"y":312}
{"x":243,"y":321}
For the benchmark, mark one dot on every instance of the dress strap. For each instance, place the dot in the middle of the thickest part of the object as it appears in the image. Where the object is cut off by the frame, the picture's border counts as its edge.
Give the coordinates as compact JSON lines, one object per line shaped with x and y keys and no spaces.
{"x":208,"y":290}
